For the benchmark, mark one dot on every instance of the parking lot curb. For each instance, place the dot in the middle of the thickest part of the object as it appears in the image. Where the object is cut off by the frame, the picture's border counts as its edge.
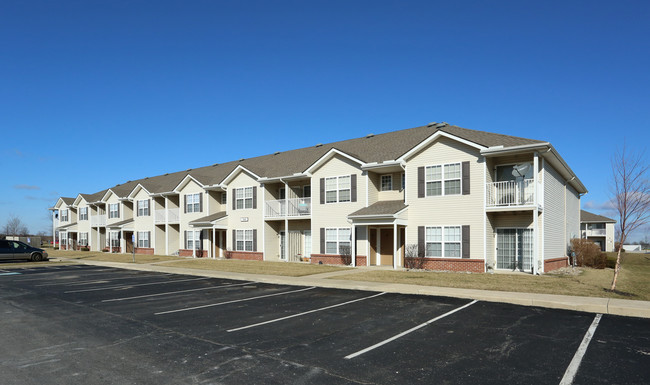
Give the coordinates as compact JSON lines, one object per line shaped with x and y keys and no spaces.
{"x":622,"y":307}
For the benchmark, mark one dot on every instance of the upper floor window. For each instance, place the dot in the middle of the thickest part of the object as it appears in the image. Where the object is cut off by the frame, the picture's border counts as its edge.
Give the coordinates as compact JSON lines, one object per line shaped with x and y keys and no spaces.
{"x":83,"y":213}
{"x":443,"y":241}
{"x":143,"y":208}
{"x":244,"y":198}
{"x":114,"y":210}
{"x":443,"y":179}
{"x":386,"y":182}
{"x":337,"y":189}
{"x":403,"y":181}
{"x":193,"y":203}
{"x":337,"y":241}
{"x":224,"y":198}
{"x":64,"y":215}
{"x":306,"y":191}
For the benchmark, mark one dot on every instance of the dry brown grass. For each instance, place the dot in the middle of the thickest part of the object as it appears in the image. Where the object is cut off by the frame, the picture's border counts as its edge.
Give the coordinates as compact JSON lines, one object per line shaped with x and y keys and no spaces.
{"x":634,"y":281}
{"x":109,"y":257}
{"x":289,"y":269}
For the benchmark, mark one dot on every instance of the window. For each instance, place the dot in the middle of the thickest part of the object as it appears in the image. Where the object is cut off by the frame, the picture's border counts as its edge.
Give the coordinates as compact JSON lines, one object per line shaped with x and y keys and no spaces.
{"x":114,"y":238}
{"x":244,"y":240}
{"x":306,"y":191}
{"x":193,"y":203}
{"x":403,"y":181}
{"x":443,"y":242}
{"x":386,"y":182}
{"x":337,"y":189}
{"x":64,"y":215}
{"x":337,"y":241}
{"x":224,"y":198}
{"x":193,"y":240}
{"x":143,"y":239}
{"x":114,"y":210}
{"x":244,"y":198}
{"x":83,"y":239}
{"x":443,"y":179}
{"x":143,"y":208}
{"x":83,"y":213}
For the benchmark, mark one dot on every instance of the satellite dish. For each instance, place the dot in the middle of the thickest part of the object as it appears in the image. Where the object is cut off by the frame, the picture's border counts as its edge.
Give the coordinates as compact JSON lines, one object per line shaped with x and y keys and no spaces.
{"x":519,"y":170}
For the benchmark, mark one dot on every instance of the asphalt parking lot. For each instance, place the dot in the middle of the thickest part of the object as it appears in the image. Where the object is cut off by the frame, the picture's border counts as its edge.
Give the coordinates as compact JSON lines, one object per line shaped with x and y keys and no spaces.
{"x":80,"y":324}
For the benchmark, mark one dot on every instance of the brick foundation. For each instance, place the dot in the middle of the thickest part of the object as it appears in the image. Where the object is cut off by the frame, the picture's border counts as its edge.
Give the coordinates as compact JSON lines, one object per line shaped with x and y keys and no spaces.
{"x":144,"y":250}
{"x":331,"y":259}
{"x":453,"y":264}
{"x":555,"y":263}
{"x":246,"y":255}
{"x":361,"y":260}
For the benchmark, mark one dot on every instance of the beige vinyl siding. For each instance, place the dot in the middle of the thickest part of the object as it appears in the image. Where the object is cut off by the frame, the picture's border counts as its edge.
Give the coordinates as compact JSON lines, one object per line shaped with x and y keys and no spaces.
{"x":334,"y":214}
{"x":212,"y":204}
{"x":396,"y":193}
{"x":144,"y":223}
{"x":554,"y":246}
{"x":447,"y":210}
{"x":573,"y":215}
{"x":112,"y":199}
{"x":246,"y":219}
{"x":185,"y":218}
{"x":84,"y":226}
{"x":158,"y":241}
{"x":373,"y":186}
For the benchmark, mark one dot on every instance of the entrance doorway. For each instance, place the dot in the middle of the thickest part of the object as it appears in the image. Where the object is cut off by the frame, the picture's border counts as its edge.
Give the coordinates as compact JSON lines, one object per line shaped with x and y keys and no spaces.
{"x":515,"y":249}
{"x":386,"y":247}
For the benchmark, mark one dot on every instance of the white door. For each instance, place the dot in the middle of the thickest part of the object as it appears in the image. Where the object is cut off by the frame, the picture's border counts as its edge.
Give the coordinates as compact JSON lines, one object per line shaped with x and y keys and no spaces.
{"x":307,"y":244}
{"x":515,"y":249}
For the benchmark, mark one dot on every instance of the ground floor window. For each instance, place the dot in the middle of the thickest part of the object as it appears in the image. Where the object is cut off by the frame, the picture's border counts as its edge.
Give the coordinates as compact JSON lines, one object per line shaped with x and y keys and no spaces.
{"x":443,"y":241}
{"x":83,"y":239}
{"x":63,"y":239}
{"x":337,"y":240}
{"x":143,"y":239}
{"x":192,"y":240}
{"x":114,"y":238}
{"x":244,"y":240}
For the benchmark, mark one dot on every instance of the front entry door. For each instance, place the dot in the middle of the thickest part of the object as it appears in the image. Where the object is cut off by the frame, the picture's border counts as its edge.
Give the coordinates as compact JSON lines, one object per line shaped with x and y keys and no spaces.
{"x":386,"y":246}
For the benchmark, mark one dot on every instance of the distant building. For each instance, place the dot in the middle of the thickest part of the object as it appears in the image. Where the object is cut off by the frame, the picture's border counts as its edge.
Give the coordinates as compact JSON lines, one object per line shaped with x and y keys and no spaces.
{"x":598,"y":229}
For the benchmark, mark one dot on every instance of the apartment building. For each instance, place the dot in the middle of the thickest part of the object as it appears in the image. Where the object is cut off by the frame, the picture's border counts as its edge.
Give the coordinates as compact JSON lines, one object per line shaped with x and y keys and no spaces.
{"x":598,"y":229}
{"x":469,"y":200}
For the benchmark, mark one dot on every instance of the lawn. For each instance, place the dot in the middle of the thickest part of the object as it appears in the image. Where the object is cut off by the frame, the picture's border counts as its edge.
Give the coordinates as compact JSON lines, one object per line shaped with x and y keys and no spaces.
{"x":109,"y":257}
{"x":633,"y":282}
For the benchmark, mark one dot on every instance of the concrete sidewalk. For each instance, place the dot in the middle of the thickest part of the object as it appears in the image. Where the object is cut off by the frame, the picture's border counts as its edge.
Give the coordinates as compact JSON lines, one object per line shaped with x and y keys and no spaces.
{"x":587,"y":304}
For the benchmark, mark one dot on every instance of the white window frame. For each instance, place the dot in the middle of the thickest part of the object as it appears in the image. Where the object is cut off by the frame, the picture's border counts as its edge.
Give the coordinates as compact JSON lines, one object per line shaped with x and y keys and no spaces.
{"x":445,"y":241}
{"x":443,"y":178}
{"x":224,"y":198}
{"x":193,"y":203}
{"x":243,"y":240}
{"x":64,"y":215}
{"x":337,"y":189}
{"x":143,"y":207}
{"x":113,"y":213}
{"x":244,"y":198}
{"x":335,"y":238}
{"x":386,"y":182}
{"x":114,"y":239}
{"x":83,"y":213}
{"x":143,"y":239}
{"x":193,"y":241}
{"x":83,"y":239}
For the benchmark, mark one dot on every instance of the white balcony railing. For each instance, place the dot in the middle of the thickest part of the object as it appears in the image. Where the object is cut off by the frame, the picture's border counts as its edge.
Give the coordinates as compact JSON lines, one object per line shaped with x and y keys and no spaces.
{"x":295,"y":207}
{"x":98,"y":220}
{"x":595,"y":232}
{"x":166,"y":216}
{"x":511,"y":193}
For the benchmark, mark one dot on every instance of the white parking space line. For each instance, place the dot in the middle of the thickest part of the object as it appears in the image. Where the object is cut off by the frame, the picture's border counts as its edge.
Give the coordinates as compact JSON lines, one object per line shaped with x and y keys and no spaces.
{"x":234,"y":301}
{"x":175,"y":292}
{"x":133,"y":285}
{"x":304,"y":313}
{"x":58,"y":272}
{"x":572,"y":369}
{"x":107,"y":280}
{"x":402,"y":334}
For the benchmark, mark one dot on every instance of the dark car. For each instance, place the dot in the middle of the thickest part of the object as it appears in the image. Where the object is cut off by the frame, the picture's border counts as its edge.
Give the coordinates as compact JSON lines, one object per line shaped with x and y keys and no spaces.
{"x":20,"y":250}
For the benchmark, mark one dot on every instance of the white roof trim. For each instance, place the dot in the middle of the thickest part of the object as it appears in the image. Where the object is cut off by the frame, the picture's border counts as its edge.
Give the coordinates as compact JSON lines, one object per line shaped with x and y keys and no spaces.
{"x":329,"y":155}
{"x":76,"y":200}
{"x":105,"y":196}
{"x":435,"y":137}
{"x":185,"y":181}
{"x":136,"y":189}
{"x":236,"y":171}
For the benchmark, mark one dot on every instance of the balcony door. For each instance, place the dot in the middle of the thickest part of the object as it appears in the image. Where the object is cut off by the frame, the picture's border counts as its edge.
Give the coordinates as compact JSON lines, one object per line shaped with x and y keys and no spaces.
{"x":515,"y":249}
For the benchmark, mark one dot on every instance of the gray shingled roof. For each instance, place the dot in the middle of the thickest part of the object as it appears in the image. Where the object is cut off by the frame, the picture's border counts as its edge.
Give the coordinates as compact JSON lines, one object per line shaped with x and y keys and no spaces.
{"x":380,"y":208}
{"x":209,"y":218}
{"x":377,"y":148}
{"x":586,"y":216}
{"x":68,"y":201}
{"x":120,"y":223}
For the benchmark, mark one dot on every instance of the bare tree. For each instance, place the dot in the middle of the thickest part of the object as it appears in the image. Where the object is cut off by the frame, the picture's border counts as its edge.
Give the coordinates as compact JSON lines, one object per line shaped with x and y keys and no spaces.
{"x":631,"y":196}
{"x":14,"y":226}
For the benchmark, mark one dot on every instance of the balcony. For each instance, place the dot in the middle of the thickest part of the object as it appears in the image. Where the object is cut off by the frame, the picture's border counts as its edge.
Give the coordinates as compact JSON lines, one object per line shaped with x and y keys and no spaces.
{"x":510,"y":194}
{"x":98,"y":220}
{"x":166,"y":216}
{"x":288,"y":208}
{"x":595,"y":232}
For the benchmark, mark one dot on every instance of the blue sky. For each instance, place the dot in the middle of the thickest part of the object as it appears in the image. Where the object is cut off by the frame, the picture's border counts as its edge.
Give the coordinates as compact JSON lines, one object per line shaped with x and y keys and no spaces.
{"x":95,"y":93}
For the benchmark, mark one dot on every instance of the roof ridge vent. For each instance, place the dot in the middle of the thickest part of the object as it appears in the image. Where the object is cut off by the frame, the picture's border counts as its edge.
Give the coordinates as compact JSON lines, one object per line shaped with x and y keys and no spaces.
{"x":432,"y":124}
{"x":276,"y":153}
{"x":443,"y":124}
{"x":242,"y":159}
{"x":319,"y":145}
{"x":370,"y":135}
{"x":216,"y":164}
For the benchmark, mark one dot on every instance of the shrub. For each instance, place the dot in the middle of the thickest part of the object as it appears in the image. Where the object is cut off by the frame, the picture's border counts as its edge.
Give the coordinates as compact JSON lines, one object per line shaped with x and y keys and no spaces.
{"x":85,"y":248}
{"x":411,"y":258}
{"x":588,"y":254}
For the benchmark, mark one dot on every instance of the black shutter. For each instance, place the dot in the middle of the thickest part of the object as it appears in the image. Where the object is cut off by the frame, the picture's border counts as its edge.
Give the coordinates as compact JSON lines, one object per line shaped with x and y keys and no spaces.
{"x":150,"y":209}
{"x":322,"y":240}
{"x":465,"y":176}
{"x":465,"y":244}
{"x":421,"y":182}
{"x":185,"y":204}
{"x":200,"y":202}
{"x":149,"y":238}
{"x":200,"y":240}
{"x":185,"y":234}
{"x":421,"y":242}
{"x":234,"y":240}
{"x":322,"y":190}
{"x":254,"y":239}
{"x":254,"y":197}
{"x":234,"y":206}
{"x":118,"y":210}
{"x":353,"y":190}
